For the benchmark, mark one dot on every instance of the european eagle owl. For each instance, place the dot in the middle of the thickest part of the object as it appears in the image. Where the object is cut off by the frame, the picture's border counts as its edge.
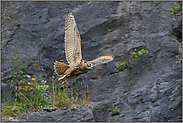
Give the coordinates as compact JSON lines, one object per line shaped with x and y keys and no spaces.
{"x":77,"y":65}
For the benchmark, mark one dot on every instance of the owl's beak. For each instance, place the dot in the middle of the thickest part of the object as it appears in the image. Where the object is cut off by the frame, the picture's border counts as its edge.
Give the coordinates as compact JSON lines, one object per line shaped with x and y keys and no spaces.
{"x":91,"y":65}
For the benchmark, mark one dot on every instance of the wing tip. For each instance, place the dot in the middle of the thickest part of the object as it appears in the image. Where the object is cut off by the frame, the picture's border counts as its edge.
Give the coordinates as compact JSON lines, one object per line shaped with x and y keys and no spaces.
{"x":112,"y":56}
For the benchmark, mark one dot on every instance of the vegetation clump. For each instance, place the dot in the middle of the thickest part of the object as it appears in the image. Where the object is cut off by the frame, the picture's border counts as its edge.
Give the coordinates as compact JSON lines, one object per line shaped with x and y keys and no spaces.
{"x":115,"y":111}
{"x":34,"y":93}
{"x":5,"y":14}
{"x":122,"y":66}
{"x":176,"y":9}
{"x":180,"y":60}
{"x":139,"y":53}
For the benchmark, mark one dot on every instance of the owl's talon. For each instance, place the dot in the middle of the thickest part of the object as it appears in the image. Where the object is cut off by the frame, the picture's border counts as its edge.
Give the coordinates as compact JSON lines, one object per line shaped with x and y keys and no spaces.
{"x":61,"y":78}
{"x":64,"y":81}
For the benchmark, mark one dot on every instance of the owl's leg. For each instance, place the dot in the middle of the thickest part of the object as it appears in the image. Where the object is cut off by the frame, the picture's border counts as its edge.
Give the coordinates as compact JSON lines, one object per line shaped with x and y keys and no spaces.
{"x":61,"y":78}
{"x":64,"y":78}
{"x":65,"y":81}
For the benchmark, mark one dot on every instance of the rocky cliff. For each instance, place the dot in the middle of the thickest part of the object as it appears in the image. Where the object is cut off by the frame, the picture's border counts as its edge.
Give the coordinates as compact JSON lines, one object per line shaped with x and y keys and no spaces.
{"x":149,"y":89}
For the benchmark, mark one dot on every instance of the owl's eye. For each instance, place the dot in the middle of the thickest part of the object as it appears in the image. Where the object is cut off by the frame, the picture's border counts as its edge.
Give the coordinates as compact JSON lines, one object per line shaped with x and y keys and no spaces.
{"x":90,"y":65}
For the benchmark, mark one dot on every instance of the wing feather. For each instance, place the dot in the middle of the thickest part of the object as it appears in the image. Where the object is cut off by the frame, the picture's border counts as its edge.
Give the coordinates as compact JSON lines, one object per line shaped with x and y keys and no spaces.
{"x":102,"y":60}
{"x":72,"y":40}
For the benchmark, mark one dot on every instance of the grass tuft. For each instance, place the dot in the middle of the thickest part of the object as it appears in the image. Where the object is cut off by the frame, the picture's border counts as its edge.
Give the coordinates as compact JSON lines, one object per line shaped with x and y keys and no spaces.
{"x":122,"y":66}
{"x":33,"y":93}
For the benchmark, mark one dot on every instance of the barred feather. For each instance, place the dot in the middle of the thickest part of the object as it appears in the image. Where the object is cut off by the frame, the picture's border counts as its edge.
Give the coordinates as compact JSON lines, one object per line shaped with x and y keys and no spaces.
{"x":60,"y":68}
{"x":102,"y":60}
{"x":72,"y":40}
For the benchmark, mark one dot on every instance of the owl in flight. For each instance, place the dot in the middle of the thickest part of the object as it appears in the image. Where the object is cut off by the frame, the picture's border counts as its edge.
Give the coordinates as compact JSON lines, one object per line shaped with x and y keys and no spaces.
{"x":77,"y":65}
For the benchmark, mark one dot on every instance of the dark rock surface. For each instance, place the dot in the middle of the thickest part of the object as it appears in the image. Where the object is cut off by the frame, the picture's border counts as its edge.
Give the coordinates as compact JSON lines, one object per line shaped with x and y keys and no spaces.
{"x":79,"y":114}
{"x":5,"y":94}
{"x":150,"y":89}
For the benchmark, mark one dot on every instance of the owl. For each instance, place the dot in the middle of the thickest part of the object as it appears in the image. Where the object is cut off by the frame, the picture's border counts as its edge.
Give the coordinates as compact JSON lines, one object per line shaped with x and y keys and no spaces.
{"x":77,"y":65}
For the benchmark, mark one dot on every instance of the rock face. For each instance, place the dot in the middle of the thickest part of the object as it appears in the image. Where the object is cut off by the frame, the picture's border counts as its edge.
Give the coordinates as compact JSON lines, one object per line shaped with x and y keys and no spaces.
{"x":80,"y":114}
{"x":150,"y":89}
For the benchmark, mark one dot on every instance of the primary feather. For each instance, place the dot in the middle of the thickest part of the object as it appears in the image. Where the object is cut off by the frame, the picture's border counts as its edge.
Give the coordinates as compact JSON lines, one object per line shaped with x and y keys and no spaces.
{"x":72,"y":40}
{"x":101,"y":60}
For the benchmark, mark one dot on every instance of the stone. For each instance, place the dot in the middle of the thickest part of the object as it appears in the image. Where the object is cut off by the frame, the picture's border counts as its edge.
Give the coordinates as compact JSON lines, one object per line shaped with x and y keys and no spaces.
{"x":149,"y":90}
{"x":74,"y":114}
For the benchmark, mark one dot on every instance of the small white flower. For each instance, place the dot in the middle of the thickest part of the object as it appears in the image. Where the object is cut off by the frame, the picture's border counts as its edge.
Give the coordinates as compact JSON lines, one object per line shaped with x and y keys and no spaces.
{"x":28,"y":76}
{"x":42,"y":81}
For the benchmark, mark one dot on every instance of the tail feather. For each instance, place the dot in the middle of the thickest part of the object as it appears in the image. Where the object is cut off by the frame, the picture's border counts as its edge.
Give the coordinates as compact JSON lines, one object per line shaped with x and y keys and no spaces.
{"x":60,"y":68}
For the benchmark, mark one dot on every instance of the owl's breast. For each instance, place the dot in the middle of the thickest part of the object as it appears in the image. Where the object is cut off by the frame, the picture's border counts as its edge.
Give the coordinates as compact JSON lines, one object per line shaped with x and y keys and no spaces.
{"x":79,"y":69}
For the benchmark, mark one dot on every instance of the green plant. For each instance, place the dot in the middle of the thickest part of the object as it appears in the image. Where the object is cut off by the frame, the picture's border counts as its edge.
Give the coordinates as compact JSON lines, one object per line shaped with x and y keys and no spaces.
{"x":180,"y":60}
{"x":29,"y":94}
{"x":36,"y":94}
{"x":11,"y":110}
{"x":115,"y":111}
{"x":134,"y":54}
{"x":122,"y":66}
{"x":33,"y":93}
{"x":158,"y":6}
{"x":176,"y":9}
{"x":7,"y":18}
{"x":67,"y":96}
{"x":18,"y":74}
{"x":5,"y":14}
{"x":10,"y":12}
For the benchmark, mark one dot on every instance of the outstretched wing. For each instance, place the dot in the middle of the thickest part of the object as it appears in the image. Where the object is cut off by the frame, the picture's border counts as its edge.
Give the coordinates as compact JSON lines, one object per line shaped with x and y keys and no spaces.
{"x":101,"y":60}
{"x":72,"y":40}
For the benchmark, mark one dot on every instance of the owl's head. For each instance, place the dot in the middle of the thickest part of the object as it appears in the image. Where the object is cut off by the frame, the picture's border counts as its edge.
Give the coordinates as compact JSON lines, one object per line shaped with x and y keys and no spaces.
{"x":88,"y":65}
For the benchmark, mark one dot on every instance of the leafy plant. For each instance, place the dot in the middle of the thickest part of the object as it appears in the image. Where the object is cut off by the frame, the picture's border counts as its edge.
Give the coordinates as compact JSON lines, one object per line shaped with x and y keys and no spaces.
{"x":140,"y":53}
{"x":180,"y":60}
{"x":115,"y":111}
{"x":158,"y":6}
{"x":18,"y":74}
{"x":7,"y":18}
{"x":5,"y":14}
{"x":33,"y":93}
{"x":176,"y":9}
{"x":122,"y":66}
{"x":10,"y":12}
{"x":29,"y":94}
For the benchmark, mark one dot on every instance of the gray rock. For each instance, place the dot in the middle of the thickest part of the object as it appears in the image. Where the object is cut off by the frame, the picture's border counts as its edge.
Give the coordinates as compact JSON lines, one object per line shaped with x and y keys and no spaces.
{"x":148,"y":90}
{"x":50,"y":109}
{"x":78,"y":114}
{"x":7,"y":95}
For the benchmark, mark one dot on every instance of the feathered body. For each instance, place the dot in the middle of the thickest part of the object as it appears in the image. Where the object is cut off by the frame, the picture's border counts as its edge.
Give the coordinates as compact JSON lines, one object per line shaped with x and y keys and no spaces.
{"x":77,"y":65}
